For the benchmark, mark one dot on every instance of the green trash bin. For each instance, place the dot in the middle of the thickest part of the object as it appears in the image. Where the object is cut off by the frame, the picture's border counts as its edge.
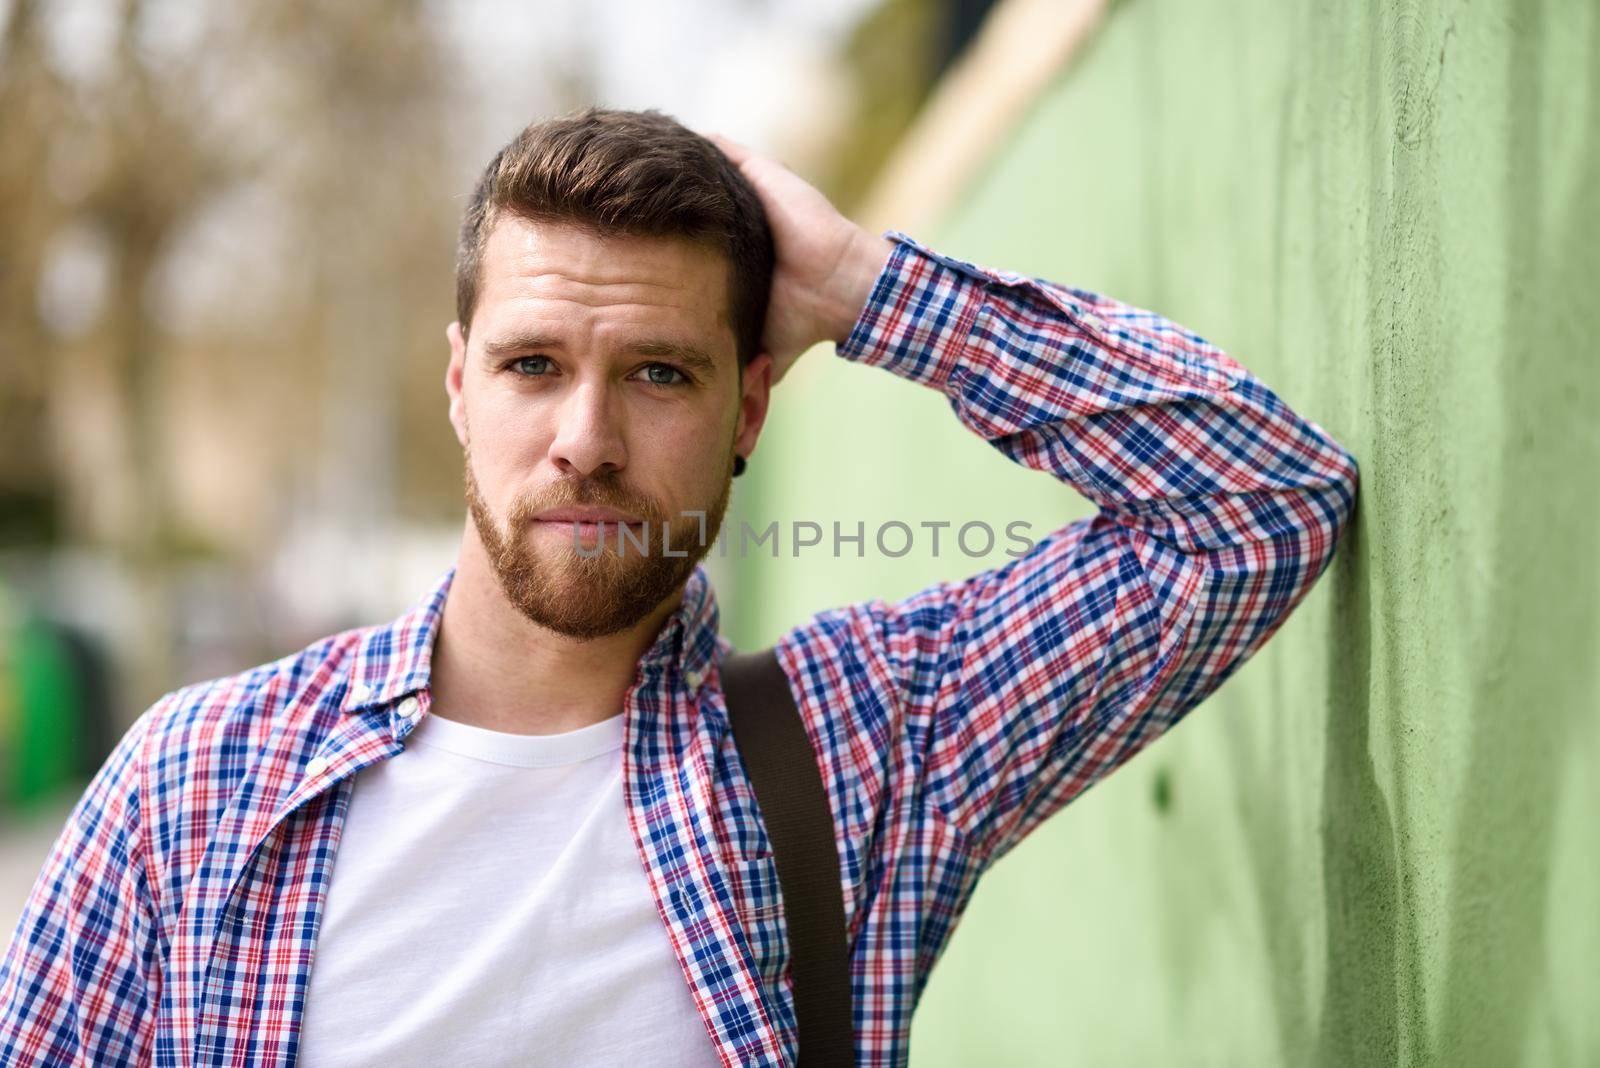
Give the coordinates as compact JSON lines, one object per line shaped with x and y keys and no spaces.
{"x":41,"y":709}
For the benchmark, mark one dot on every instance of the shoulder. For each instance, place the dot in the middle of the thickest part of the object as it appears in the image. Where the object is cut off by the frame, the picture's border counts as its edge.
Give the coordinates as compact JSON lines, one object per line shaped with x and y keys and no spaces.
{"x":203,"y":741}
{"x":153,"y":804}
{"x":206,"y":736}
{"x":235,"y":714}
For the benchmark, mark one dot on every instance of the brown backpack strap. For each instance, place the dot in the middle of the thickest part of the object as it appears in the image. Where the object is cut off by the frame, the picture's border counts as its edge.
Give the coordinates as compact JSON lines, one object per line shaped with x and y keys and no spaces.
{"x":782,"y":765}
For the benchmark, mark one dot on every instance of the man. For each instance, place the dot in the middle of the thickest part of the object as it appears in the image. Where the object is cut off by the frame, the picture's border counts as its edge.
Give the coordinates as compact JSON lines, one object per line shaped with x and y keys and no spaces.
{"x":565,"y":864}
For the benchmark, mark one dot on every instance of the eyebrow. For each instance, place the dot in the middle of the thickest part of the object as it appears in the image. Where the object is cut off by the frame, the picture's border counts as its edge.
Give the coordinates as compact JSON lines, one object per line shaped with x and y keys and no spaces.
{"x":694,"y":358}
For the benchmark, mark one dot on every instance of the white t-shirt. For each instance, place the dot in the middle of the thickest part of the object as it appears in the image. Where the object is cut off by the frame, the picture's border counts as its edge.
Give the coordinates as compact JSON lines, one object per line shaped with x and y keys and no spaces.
{"x":488,"y":907}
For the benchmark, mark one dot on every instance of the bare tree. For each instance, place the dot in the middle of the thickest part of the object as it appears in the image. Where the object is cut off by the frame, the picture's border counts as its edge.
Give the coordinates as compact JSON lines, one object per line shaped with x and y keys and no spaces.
{"x":318,"y":122}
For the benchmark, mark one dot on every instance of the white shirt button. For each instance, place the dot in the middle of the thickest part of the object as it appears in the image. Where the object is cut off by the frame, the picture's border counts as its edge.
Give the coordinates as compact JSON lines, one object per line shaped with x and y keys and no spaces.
{"x":361,"y":691}
{"x":409,"y":708}
{"x":316,"y":766}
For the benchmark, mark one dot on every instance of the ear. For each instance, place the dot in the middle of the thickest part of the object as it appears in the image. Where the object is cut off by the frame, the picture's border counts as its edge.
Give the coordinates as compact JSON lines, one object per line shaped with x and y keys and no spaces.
{"x":756,"y":393}
{"x":452,"y":380}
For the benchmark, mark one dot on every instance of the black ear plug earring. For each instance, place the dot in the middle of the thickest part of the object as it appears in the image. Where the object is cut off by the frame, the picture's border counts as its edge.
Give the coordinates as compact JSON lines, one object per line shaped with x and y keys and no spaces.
{"x":738,"y":466}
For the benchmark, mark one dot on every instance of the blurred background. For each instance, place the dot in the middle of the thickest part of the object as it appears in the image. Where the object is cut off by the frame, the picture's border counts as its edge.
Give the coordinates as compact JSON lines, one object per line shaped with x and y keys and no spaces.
{"x":226,"y":263}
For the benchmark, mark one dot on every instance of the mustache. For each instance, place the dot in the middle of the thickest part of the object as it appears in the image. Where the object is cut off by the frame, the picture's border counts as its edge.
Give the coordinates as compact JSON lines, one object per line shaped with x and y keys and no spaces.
{"x":589,"y":491}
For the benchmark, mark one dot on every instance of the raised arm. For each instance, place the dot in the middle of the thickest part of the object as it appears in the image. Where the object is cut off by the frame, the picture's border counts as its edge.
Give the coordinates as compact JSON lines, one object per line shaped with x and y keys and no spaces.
{"x":1016,"y":689}
{"x":1218,"y":509}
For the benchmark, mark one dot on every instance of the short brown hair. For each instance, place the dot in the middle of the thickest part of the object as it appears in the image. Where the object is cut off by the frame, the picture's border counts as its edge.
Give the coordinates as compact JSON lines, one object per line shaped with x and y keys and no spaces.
{"x":626,"y":172}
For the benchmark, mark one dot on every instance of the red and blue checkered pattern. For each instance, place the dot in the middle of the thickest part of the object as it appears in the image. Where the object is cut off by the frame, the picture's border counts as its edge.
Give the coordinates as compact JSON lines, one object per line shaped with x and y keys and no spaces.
{"x":176,"y":917}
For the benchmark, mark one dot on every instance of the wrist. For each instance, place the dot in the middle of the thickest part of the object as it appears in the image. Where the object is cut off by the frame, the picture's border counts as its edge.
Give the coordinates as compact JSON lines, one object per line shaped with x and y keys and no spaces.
{"x":857,"y":274}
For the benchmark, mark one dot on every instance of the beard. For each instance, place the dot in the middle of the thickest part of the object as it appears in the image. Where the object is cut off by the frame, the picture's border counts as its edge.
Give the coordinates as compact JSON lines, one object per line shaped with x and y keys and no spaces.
{"x":591,"y":594}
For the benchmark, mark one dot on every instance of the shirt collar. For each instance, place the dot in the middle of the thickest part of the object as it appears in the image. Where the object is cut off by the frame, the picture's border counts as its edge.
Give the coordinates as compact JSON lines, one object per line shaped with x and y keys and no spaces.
{"x":393,"y":660}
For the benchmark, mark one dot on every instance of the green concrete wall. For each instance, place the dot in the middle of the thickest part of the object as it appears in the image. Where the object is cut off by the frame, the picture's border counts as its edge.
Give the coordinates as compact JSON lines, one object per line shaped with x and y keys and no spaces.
{"x":1376,"y":844}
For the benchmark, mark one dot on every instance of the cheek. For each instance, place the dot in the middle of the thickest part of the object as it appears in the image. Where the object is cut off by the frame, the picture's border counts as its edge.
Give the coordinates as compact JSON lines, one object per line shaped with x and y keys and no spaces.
{"x":506,"y":441}
{"x":688,"y":434}
{"x":686,"y":453}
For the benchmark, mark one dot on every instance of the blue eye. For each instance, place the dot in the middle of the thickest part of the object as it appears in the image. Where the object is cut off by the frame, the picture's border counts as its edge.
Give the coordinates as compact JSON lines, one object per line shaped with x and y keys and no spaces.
{"x":669,"y":370}
{"x":529,"y":359}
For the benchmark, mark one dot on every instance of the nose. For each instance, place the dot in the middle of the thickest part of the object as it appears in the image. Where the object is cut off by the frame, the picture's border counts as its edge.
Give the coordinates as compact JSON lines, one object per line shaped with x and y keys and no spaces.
{"x":588,"y":438}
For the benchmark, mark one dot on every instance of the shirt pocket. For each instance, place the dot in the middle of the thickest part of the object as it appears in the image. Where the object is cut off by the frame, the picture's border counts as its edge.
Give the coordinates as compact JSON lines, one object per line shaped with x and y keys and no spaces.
{"x":754,"y":884}
{"x":758,"y":904}
{"x":758,"y":895}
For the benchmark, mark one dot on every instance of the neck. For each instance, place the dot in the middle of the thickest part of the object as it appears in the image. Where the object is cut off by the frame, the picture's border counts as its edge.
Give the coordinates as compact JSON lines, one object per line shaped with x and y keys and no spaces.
{"x":493,"y":667}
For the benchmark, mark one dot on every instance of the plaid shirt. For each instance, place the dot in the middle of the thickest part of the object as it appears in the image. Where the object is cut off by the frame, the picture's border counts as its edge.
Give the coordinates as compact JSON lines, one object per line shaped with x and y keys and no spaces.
{"x":176,"y":917}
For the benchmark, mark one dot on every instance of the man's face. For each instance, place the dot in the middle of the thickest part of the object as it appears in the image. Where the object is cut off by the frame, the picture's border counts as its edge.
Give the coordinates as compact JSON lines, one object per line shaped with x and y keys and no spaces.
{"x":599,"y":372}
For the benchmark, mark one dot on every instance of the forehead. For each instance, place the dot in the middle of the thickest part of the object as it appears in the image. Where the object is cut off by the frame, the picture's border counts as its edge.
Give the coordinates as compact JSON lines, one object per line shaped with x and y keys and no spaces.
{"x":556,"y":273}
